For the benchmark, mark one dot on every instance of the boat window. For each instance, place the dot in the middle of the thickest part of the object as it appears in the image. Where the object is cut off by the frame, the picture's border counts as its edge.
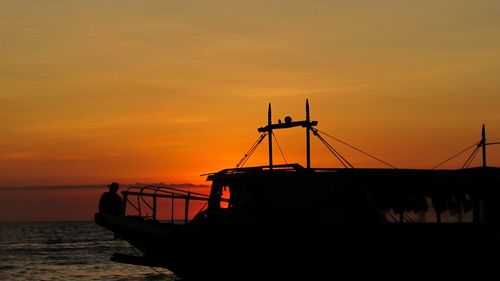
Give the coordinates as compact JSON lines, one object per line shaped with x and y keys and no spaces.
{"x":225,"y":196}
{"x":219,"y":196}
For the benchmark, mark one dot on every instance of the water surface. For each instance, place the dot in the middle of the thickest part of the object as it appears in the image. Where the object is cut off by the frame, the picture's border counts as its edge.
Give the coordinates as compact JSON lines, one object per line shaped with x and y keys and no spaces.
{"x":67,"y":251}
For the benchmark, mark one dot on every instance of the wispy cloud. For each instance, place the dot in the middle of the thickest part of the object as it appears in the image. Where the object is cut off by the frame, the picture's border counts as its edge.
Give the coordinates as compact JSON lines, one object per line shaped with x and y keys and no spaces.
{"x":97,"y":186}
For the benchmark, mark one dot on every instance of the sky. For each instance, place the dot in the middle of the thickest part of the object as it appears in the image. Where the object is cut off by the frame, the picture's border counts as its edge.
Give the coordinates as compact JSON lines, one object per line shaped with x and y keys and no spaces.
{"x":163,"y":91}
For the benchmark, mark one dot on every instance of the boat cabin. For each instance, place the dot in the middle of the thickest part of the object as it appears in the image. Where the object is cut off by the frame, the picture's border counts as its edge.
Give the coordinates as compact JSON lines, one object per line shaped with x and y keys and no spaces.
{"x":358,"y":196}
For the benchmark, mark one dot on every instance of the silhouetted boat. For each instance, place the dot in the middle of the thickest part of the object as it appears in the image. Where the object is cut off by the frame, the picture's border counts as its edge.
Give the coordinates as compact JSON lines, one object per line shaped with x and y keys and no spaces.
{"x":295,"y":221}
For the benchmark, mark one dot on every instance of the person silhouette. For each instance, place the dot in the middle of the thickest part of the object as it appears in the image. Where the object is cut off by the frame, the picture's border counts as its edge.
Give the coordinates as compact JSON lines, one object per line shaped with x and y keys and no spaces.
{"x":110,"y":201}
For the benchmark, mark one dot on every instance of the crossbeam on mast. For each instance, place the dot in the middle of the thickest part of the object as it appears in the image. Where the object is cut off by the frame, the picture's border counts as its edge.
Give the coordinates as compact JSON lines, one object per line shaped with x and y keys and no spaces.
{"x":303,"y":124}
{"x":308,"y":124}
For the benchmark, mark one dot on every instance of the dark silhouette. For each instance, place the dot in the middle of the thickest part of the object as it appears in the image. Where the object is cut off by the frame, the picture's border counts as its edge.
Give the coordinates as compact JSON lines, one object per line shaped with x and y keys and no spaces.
{"x":110,"y":201}
{"x":370,"y":222}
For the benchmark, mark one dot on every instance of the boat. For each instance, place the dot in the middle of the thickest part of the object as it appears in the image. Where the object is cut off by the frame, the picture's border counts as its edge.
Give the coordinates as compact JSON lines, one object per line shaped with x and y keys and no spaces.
{"x":288,"y":220}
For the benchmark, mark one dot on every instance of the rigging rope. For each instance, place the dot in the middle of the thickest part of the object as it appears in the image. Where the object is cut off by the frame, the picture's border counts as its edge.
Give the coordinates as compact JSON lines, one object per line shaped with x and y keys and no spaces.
{"x":357,"y":149}
{"x":475,"y":144}
{"x":279,"y":147}
{"x":335,"y":153}
{"x":471,"y":157}
{"x":344,"y":161}
{"x":250,"y":151}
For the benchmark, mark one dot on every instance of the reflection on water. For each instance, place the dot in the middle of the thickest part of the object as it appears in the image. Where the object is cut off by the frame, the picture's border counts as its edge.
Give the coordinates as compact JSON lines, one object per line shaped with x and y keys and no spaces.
{"x":67,"y":251}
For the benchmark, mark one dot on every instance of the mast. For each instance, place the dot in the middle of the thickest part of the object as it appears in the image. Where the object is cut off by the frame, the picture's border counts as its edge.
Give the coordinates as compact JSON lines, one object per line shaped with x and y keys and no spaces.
{"x":308,"y":135}
{"x":270,"y":136}
{"x":308,"y":124}
{"x":483,"y":145}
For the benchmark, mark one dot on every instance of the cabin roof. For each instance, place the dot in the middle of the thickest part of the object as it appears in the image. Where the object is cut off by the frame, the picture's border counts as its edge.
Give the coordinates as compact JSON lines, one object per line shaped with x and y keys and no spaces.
{"x":296,"y":170}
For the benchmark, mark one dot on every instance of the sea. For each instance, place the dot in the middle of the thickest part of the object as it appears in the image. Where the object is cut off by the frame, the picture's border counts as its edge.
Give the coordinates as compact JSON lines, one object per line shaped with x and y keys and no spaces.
{"x":68,"y":251}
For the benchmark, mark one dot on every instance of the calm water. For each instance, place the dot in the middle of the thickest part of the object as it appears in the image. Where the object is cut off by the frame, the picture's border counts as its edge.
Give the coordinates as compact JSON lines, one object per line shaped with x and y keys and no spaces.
{"x":67,"y":251}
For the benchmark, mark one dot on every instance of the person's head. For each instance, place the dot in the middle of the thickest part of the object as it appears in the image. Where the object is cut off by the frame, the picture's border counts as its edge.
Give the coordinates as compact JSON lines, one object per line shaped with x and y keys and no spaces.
{"x":113,"y":187}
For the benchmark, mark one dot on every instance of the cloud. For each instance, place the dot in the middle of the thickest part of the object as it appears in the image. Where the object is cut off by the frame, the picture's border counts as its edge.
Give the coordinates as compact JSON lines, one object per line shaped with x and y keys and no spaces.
{"x":99,"y":186}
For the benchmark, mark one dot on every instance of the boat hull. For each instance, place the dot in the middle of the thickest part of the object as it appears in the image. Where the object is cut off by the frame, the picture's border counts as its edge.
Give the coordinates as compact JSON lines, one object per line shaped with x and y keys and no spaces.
{"x":199,"y":252}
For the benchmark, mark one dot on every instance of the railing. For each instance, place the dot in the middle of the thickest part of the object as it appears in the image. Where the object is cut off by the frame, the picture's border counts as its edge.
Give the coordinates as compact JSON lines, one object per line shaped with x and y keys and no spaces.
{"x":156,"y":192}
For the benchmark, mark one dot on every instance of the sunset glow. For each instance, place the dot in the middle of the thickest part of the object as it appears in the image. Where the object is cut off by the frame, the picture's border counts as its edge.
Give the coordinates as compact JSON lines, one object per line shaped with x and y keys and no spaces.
{"x":162,"y":91}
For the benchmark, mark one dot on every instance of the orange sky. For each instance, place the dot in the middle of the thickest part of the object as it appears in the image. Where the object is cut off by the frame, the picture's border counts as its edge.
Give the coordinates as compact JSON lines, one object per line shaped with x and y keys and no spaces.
{"x":70,"y":203}
{"x":100,"y":91}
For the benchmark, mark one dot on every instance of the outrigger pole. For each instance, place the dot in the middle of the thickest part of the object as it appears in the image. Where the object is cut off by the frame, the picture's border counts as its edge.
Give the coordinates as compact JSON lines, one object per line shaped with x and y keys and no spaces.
{"x":308,"y":124}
